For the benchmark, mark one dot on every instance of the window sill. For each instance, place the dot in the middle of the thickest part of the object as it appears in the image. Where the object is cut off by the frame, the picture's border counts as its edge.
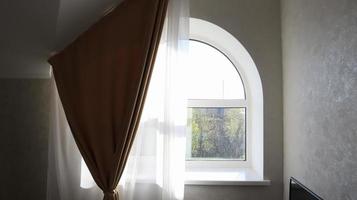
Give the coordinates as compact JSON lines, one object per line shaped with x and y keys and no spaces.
{"x":240,"y":177}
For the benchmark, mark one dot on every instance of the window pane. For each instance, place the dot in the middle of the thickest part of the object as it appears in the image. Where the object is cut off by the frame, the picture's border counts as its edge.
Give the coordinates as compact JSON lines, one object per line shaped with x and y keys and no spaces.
{"x":211,"y":74}
{"x":216,"y":134}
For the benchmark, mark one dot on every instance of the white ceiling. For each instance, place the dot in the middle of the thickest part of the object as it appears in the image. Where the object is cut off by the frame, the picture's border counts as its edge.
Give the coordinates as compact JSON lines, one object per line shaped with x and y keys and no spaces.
{"x":32,"y":30}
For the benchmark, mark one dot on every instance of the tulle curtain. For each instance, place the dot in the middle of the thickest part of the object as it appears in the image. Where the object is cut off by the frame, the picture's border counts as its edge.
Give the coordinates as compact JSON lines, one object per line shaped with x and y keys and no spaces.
{"x":64,"y":159}
{"x":156,"y":164}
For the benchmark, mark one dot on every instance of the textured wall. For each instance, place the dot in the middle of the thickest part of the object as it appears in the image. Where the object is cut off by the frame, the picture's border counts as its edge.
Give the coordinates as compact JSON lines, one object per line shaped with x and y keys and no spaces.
{"x":256,"y":24}
{"x":320,"y":95}
{"x":24,"y":138}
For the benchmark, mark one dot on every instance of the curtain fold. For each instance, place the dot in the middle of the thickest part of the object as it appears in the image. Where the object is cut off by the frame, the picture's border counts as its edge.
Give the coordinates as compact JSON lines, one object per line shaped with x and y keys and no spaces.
{"x":156,"y":165}
{"x":102,"y":78}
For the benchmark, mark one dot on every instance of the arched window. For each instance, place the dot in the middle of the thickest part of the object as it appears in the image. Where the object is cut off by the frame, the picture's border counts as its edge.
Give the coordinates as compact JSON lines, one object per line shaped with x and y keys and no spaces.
{"x":216,"y":106}
{"x":225,"y":105}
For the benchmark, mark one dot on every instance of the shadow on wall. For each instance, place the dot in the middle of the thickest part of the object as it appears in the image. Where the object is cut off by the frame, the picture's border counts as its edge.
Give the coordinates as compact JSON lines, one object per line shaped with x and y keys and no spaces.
{"x":27,"y":35}
{"x":32,"y":30}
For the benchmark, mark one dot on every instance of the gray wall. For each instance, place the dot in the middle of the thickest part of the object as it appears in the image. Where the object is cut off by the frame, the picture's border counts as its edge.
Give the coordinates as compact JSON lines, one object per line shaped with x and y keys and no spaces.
{"x":24,"y":127}
{"x":27,"y":36}
{"x":32,"y":30}
{"x":320,"y":95}
{"x":256,"y":24}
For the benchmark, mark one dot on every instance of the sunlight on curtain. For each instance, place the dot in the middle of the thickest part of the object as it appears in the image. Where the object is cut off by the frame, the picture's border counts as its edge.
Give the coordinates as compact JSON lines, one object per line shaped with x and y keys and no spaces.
{"x":156,"y":164}
{"x":86,"y":178}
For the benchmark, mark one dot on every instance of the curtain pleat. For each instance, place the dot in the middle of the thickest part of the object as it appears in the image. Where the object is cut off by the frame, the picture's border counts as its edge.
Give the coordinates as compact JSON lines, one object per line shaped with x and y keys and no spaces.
{"x":102,"y":79}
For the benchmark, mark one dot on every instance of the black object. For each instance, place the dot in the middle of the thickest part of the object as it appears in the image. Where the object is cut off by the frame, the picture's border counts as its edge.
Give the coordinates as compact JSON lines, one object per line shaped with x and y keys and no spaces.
{"x":299,"y":192}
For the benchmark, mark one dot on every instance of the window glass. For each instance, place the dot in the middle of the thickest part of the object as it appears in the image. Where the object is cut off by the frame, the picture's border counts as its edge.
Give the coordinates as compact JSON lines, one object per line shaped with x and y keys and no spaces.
{"x":216,"y":133}
{"x":211,"y":74}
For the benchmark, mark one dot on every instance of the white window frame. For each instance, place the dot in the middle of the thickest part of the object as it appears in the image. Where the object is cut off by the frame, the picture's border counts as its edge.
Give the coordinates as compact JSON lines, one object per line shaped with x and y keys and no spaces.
{"x":223,"y":41}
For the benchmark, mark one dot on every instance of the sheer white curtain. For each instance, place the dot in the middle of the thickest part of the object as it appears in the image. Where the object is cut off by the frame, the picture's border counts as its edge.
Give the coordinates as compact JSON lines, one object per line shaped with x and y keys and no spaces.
{"x":156,"y":164}
{"x":64,"y":159}
{"x":155,"y":169}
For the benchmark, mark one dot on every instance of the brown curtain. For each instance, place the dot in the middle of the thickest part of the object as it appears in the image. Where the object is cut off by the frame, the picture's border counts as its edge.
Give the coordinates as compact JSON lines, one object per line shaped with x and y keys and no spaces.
{"x":102,"y":78}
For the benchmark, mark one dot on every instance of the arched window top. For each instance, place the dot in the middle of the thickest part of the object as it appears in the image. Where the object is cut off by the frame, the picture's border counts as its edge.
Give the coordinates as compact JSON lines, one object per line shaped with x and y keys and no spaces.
{"x":211,"y":75}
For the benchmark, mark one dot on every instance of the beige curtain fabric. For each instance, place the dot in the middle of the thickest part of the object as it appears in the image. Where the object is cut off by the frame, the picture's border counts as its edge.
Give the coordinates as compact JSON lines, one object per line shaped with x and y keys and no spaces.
{"x":102,"y":78}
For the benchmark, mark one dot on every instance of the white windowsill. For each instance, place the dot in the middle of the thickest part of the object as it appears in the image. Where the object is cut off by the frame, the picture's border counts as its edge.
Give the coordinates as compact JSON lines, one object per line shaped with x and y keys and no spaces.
{"x":242,"y":177}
